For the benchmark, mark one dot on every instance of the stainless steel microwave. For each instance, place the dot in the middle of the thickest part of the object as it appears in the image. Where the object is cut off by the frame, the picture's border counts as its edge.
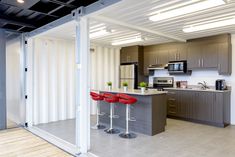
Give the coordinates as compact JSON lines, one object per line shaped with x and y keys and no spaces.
{"x":177,"y":67}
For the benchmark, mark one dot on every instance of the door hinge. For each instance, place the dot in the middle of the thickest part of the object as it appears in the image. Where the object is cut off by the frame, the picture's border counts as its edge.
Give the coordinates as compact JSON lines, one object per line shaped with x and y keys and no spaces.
{"x":26,"y":69}
{"x":26,"y":42}
{"x":26,"y":125}
{"x":26,"y":96}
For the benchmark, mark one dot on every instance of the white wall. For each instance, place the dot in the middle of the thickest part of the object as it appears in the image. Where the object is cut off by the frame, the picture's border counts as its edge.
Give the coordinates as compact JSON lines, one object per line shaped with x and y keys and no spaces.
{"x":54,"y":80}
{"x":209,"y":76}
{"x":105,"y":63}
{"x":13,"y":80}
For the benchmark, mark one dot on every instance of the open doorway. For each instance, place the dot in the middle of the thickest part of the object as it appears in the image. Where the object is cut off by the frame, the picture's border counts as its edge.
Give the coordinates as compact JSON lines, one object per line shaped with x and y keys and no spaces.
{"x":51,"y":56}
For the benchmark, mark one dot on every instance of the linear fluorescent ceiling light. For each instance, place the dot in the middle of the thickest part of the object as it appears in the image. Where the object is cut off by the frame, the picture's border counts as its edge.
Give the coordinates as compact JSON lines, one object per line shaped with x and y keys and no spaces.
{"x":99,"y":33}
{"x":122,"y":42}
{"x":211,"y":25}
{"x":186,"y":9}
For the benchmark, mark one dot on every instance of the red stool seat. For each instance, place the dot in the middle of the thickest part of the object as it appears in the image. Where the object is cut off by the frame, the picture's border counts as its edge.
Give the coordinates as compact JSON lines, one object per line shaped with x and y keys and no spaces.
{"x":110,"y":98}
{"x":96,"y":96}
{"x":126,"y":99}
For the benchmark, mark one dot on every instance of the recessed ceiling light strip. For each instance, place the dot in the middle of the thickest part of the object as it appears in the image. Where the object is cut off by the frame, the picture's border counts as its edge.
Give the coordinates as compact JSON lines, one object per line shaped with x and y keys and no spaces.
{"x":187,"y":9}
{"x":123,"y":42}
{"x":217,"y":24}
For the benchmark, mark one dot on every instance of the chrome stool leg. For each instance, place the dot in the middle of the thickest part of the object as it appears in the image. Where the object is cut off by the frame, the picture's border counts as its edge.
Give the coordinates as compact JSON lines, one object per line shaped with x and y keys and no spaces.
{"x":112,"y":130}
{"x":98,"y":126}
{"x":127,"y":134}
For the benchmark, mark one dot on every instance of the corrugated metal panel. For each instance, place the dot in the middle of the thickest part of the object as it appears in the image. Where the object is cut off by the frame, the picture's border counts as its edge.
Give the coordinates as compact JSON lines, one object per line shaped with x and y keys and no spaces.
{"x":136,"y":13}
{"x":54,"y":80}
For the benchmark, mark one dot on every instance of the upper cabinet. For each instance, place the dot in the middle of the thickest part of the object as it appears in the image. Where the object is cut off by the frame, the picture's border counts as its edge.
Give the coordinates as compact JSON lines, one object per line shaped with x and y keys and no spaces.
{"x":129,"y":54}
{"x":224,"y":58}
{"x":177,"y":53}
{"x":210,"y":53}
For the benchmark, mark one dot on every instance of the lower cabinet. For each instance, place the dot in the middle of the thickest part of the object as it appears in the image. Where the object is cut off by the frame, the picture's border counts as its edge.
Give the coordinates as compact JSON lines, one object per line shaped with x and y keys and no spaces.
{"x":206,"y":107}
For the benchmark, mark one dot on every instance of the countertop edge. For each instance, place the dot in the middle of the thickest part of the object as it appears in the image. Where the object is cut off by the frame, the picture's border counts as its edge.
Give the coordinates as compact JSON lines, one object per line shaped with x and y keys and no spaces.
{"x":199,"y":90}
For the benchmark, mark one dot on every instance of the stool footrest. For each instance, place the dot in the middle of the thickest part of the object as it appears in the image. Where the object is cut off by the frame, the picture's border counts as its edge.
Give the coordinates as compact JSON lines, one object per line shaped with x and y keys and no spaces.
{"x":128,"y":135}
{"x":98,"y":127}
{"x":112,"y":131}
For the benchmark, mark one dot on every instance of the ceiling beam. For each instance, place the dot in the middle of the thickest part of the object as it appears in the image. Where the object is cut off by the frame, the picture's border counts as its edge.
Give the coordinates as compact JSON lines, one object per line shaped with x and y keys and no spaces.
{"x":11,"y":20}
{"x":19,"y":7}
{"x":137,"y":28}
{"x":52,"y":11}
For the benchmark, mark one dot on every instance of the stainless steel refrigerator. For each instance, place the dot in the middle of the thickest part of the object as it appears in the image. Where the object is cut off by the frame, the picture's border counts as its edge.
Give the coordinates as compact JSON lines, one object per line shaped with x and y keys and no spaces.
{"x":129,"y":74}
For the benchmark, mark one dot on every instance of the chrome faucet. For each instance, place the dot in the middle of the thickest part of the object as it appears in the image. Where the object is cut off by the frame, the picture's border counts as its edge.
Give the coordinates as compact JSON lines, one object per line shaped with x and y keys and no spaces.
{"x":203,"y":85}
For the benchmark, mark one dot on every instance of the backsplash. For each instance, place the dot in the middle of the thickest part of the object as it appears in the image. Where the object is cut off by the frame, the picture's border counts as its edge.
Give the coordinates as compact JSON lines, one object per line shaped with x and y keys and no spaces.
{"x":210,"y":76}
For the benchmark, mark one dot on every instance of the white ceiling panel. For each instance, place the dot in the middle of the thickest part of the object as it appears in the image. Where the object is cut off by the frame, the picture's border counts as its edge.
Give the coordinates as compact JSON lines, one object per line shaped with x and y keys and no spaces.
{"x":137,"y":12}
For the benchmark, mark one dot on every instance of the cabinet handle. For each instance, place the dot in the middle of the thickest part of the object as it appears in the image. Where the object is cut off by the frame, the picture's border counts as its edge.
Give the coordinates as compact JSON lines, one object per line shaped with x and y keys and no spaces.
{"x":202,"y":63}
{"x":199,"y":63}
{"x":175,"y":56}
{"x":178,"y":56}
{"x":156,"y":60}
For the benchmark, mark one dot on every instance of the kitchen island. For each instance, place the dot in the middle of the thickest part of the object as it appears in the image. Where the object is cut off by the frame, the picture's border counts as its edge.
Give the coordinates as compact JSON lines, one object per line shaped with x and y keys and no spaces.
{"x":150,"y":111}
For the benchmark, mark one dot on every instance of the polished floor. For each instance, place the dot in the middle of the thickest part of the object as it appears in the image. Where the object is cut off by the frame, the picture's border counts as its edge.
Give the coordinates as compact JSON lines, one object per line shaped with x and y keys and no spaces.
{"x":181,"y":139}
{"x":64,"y":129}
{"x":21,"y":143}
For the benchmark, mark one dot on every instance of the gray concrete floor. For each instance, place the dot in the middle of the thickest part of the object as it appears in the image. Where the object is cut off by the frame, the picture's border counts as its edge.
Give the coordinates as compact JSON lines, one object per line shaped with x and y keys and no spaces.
{"x":181,"y":139}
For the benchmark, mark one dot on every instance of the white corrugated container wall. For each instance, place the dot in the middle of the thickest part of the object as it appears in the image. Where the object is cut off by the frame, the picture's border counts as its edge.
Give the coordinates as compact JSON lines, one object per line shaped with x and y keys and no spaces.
{"x":54,"y":80}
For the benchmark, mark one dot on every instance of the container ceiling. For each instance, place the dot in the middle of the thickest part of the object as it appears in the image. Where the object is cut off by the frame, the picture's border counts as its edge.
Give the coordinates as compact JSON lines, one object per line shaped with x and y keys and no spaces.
{"x":135,"y":13}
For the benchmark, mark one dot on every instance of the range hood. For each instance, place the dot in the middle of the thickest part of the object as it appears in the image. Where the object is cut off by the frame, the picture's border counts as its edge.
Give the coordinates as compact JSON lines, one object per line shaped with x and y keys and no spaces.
{"x":158,"y":67}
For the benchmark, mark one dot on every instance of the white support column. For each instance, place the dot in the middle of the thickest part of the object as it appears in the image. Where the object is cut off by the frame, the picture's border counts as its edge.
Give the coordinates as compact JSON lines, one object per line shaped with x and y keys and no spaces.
{"x":29,"y":59}
{"x":83,"y":86}
{"x":23,"y":52}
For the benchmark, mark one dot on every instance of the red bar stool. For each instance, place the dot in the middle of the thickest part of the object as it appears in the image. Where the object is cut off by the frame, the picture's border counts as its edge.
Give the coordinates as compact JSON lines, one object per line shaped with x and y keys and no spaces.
{"x":111,"y":98}
{"x":97,"y":97}
{"x":128,"y":101}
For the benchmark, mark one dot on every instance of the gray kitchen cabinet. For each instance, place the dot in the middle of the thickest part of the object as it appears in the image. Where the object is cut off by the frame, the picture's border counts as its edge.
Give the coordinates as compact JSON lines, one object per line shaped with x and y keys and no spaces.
{"x":150,"y":58}
{"x":205,"y":107}
{"x":173,"y":54}
{"x":194,"y":57}
{"x":172,"y":107}
{"x":224,"y":59}
{"x":162,"y":57}
{"x":209,"y":56}
{"x":203,"y":56}
{"x":177,"y":54}
{"x":129,"y":54}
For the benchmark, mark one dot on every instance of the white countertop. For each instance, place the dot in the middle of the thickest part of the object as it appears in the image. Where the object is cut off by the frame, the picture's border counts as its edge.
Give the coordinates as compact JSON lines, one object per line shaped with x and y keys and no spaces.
{"x":198,"y":89}
{"x":134,"y":91}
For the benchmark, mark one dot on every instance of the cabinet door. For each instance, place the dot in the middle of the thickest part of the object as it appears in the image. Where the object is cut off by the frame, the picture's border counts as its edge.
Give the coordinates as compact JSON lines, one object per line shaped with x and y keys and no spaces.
{"x":218,"y":108}
{"x":210,"y":56}
{"x":224,"y":59}
{"x":162,"y":57}
{"x":203,"y":106}
{"x":173,"y":55}
{"x":129,"y":54}
{"x":123,"y":57}
{"x":185,"y":104}
{"x":149,"y":59}
{"x":182,"y":53}
{"x":194,"y":57}
{"x":172,"y":109}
